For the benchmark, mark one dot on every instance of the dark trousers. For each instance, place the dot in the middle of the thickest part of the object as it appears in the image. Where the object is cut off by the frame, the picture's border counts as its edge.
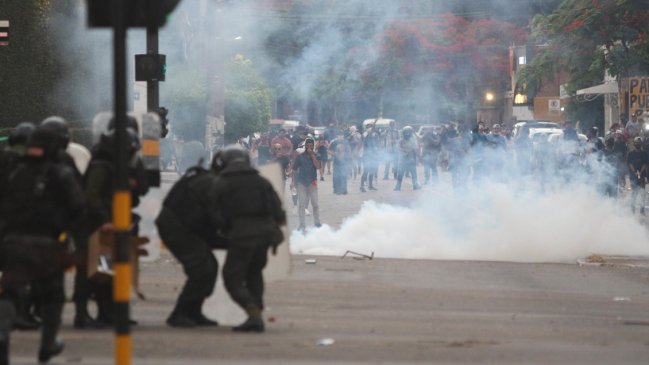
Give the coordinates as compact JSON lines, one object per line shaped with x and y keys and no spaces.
{"x":242,"y":273}
{"x":407,"y":167}
{"x":82,"y":286}
{"x":340,"y":179}
{"x":390,"y":160}
{"x":430,"y":168}
{"x":196,"y":257}
{"x":33,"y":263}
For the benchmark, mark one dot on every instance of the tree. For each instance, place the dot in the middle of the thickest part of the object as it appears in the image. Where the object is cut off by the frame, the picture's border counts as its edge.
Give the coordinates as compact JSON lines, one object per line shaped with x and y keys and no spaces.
{"x":186,"y":97}
{"x":247,"y":100}
{"x":587,"y":38}
{"x":458,"y":58}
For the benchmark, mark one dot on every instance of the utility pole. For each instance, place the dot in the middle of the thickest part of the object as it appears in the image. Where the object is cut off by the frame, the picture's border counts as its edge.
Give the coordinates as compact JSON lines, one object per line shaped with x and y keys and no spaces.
{"x":152,"y":86}
{"x":122,"y":196}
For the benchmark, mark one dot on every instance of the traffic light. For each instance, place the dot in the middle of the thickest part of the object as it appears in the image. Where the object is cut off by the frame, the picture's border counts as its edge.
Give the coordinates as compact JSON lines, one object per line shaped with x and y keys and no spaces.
{"x":138,"y":13}
{"x":150,"y":67}
{"x":164,"y":122}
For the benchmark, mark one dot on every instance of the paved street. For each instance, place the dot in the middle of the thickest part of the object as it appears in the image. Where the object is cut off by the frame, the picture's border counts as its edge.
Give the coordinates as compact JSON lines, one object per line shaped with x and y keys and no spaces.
{"x":388,"y":311}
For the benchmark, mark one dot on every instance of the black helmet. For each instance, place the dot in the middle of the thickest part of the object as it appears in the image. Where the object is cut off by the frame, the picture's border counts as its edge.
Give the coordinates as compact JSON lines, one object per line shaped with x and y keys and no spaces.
{"x":228,"y":155}
{"x":46,"y":139}
{"x":131,"y":123}
{"x":59,"y":127}
{"x":107,"y":142}
{"x":407,"y":131}
{"x":21,"y":134}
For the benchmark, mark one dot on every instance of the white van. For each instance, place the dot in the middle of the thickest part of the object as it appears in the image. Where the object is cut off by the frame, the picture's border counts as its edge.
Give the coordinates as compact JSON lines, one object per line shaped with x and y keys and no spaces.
{"x":381,"y":123}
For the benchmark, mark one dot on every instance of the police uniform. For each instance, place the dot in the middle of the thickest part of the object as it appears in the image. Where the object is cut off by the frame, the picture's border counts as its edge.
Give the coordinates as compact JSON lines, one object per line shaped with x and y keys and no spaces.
{"x":185,"y":228}
{"x":98,"y":190}
{"x":249,"y":212}
{"x":42,"y":200}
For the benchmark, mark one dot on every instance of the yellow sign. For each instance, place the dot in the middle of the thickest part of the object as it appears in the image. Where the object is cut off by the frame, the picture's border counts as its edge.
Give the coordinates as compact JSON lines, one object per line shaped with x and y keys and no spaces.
{"x":638,"y":95}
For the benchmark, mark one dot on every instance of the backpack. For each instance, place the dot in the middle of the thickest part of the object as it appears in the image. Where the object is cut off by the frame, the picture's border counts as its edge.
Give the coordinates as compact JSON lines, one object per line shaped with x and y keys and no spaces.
{"x":32,"y":200}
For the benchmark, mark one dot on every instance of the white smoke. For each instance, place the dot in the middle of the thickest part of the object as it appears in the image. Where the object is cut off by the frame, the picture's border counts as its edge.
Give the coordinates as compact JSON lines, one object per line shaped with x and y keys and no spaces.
{"x":494,"y":223}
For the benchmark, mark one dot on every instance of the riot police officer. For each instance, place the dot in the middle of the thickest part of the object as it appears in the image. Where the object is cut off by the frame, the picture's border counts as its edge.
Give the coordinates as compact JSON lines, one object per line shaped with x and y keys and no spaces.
{"x":82,"y":319}
{"x":17,"y":145}
{"x":185,"y":228}
{"x":98,"y":188}
{"x":249,"y":213}
{"x":23,"y":299}
{"x":42,"y":199}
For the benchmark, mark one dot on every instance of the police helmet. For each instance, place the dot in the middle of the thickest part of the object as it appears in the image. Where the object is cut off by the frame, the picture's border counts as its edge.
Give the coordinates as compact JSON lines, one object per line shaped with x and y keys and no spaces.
{"x":59,"y":127}
{"x":407,"y":131}
{"x":20,"y":135}
{"x":233,"y":153}
{"x":107,"y":142}
{"x":45,"y":139}
{"x":131,"y":123}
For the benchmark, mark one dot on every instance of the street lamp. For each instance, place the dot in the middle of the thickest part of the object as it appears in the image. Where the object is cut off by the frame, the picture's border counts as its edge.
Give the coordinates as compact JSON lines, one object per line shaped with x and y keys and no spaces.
{"x":489,"y":96}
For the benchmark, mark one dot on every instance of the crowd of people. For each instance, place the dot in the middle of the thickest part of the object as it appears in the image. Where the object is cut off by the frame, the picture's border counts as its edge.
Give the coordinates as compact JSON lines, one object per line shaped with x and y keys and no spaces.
{"x":614,"y":162}
{"x":50,"y":207}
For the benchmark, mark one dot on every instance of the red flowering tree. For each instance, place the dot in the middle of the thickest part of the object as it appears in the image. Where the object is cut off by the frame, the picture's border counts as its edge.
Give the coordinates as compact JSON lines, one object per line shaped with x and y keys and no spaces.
{"x":455,"y":56}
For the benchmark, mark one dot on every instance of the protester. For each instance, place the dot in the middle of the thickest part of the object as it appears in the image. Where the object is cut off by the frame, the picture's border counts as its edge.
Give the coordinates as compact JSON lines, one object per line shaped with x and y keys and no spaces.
{"x":305,"y":180}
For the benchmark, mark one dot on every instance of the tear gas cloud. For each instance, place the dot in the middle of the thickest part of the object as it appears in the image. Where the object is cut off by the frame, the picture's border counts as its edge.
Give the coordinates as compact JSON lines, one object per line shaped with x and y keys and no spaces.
{"x":519,"y":221}
{"x":199,"y":31}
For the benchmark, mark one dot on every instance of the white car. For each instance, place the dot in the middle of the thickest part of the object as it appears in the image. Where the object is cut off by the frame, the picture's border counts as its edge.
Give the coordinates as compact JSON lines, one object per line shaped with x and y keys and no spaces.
{"x":524,"y":129}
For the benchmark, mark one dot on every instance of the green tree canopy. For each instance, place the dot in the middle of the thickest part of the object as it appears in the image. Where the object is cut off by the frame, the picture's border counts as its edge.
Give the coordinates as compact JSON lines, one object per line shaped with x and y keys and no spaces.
{"x":247,"y":100}
{"x":588,"y":37}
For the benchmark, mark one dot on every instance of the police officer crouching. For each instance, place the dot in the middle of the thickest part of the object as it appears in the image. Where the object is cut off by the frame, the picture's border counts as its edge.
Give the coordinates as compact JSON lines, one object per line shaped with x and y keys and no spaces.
{"x":185,"y":228}
{"x":249,"y":212}
{"x":41,"y":200}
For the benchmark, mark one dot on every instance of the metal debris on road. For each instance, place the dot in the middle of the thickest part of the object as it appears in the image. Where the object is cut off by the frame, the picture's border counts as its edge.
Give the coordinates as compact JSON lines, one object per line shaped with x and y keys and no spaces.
{"x":311,"y":261}
{"x":615,"y":261}
{"x":325,"y":342}
{"x":360,"y":256}
{"x":595,"y":259}
{"x":621,"y":299}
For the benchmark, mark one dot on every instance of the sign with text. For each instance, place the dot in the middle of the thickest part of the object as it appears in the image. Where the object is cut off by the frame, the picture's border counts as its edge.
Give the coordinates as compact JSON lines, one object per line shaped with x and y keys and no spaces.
{"x":638,"y":95}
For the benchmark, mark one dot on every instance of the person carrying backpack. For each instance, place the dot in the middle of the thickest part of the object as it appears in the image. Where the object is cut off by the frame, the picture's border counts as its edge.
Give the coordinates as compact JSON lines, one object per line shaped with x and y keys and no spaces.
{"x":185,"y":228}
{"x":40,"y":203}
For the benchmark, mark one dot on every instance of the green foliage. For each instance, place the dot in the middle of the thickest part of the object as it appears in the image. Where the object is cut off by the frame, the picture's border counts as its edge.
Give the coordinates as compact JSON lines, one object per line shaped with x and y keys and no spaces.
{"x":185,"y":95}
{"x":247,"y":100}
{"x":587,"y":37}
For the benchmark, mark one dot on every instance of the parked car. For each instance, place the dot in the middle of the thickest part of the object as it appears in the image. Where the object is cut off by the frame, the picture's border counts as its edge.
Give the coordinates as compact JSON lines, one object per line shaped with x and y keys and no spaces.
{"x":380,"y":123}
{"x":523,"y":128}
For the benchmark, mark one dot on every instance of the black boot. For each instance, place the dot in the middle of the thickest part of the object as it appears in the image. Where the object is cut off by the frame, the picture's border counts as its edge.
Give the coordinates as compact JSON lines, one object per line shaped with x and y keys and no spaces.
{"x":199,"y":318}
{"x":181,"y":317}
{"x":180,"y":320}
{"x":250,"y":325}
{"x":83,"y":320}
{"x":254,"y":323}
{"x":49,"y":351}
{"x":24,"y":320}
